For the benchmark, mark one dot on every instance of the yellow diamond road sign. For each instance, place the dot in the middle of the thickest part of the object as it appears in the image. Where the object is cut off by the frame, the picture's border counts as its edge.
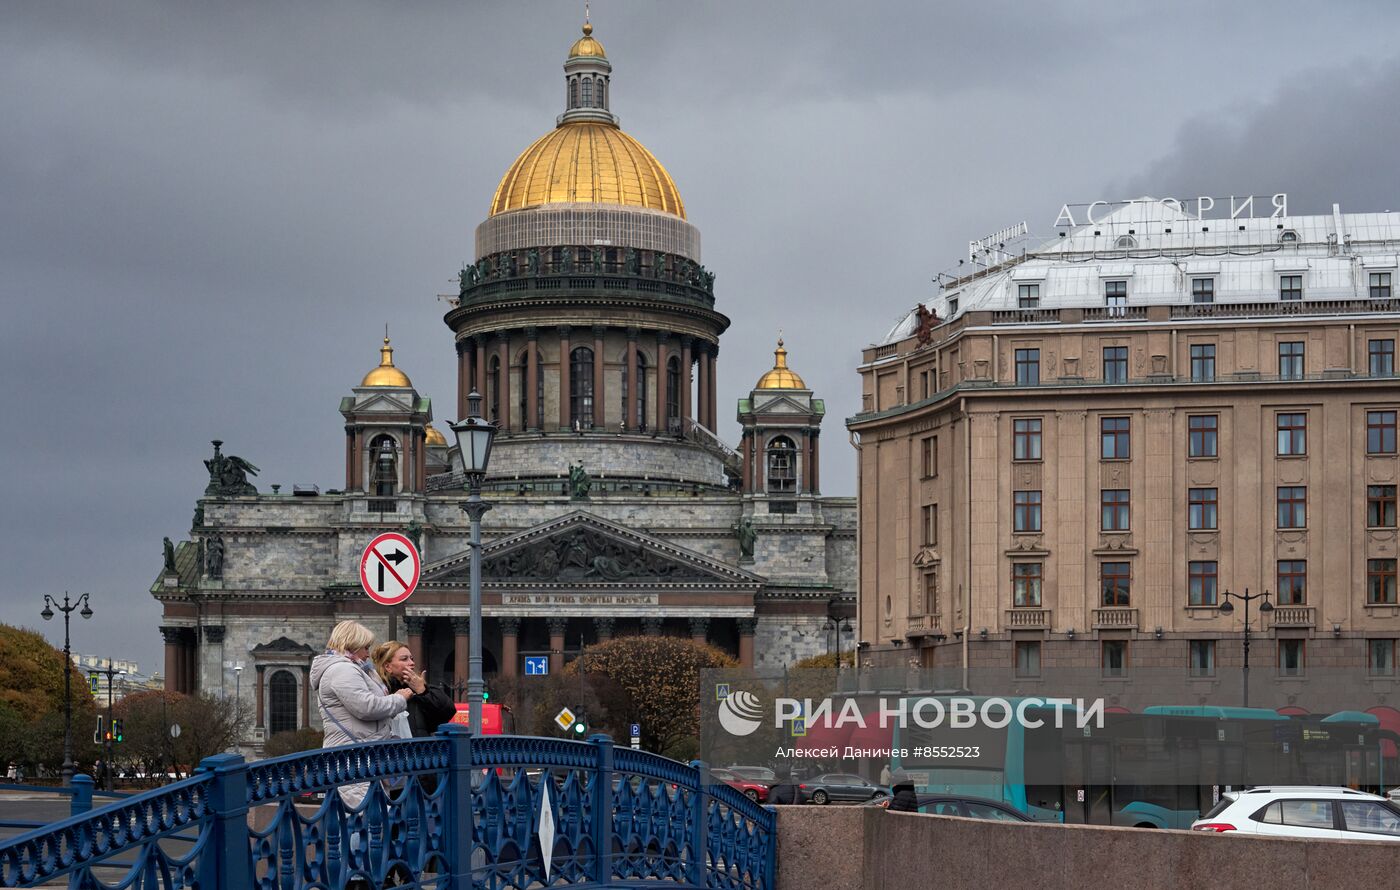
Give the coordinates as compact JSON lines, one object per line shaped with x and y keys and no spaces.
{"x":565,"y":719}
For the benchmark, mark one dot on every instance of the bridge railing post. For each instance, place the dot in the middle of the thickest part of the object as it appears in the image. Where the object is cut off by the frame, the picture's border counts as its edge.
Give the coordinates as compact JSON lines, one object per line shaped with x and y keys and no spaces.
{"x":602,"y":827}
{"x":457,"y":807}
{"x":227,"y":862}
{"x":81,"y":801}
{"x":700,"y":832}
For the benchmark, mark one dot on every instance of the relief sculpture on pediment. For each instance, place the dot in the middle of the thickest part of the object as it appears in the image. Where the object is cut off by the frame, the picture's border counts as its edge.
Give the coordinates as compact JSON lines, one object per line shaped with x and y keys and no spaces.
{"x":586,"y":555}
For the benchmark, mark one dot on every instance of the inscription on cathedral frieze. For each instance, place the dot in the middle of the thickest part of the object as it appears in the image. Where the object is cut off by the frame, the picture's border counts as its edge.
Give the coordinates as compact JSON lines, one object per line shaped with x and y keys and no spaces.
{"x":579,"y":599}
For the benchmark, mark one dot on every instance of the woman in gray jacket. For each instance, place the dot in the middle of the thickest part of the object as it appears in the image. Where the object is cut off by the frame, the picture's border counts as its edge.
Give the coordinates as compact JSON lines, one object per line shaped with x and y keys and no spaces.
{"x":354,"y":705}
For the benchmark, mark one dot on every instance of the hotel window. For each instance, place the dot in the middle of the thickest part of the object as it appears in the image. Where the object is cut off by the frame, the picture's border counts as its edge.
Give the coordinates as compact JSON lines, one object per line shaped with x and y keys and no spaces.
{"x":1382,"y":357}
{"x":1028,"y":658}
{"x":930,"y":525}
{"x":1290,"y":287}
{"x":930,"y":457}
{"x":1290,"y":361}
{"x":1292,"y":434}
{"x":1380,"y":582}
{"x":1114,"y":658}
{"x":1292,"y":658}
{"x":1292,"y":506}
{"x":1202,"y":654}
{"x":1115,"y":580}
{"x":1203,"y":435}
{"x":1201,"y":509}
{"x":1113,"y":509}
{"x":1380,"y":506}
{"x":1025,"y":438}
{"x":1380,"y":285}
{"x":1292,"y":582}
{"x":931,"y":592}
{"x":1380,"y":658}
{"x":1203,"y":580}
{"x":1028,"y":296}
{"x":1115,"y":297}
{"x":1115,"y":364}
{"x":1114,"y":438}
{"x":1025,"y":584}
{"x":1380,"y":432}
{"x":1203,"y":362}
{"x":1203,"y":290}
{"x":1027,"y":367}
{"x":1025,"y":511}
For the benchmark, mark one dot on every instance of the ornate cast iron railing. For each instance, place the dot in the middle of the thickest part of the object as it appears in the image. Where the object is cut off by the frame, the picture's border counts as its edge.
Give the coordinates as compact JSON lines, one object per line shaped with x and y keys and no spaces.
{"x":448,"y":811}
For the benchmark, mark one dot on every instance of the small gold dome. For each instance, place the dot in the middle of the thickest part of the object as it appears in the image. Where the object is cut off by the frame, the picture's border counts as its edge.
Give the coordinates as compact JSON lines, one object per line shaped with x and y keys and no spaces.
{"x":386,"y":374}
{"x":586,"y":45}
{"x":586,"y":162}
{"x":434,"y":437}
{"x":781,"y":377}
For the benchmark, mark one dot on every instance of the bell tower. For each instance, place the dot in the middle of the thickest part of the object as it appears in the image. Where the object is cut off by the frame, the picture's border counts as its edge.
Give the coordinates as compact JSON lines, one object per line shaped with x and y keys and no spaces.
{"x":781,"y":443}
{"x":386,"y":430}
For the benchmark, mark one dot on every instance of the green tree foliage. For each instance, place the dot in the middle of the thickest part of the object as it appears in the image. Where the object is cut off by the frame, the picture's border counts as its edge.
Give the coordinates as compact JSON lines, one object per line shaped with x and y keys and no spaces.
{"x":654,"y":681}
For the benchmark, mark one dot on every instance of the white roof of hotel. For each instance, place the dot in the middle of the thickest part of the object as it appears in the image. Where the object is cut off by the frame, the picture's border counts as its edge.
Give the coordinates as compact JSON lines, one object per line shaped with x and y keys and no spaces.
{"x":1164,"y":247}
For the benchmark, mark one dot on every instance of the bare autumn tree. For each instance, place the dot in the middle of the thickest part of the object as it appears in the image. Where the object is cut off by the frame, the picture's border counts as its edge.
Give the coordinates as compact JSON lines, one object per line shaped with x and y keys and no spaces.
{"x":654,"y":681}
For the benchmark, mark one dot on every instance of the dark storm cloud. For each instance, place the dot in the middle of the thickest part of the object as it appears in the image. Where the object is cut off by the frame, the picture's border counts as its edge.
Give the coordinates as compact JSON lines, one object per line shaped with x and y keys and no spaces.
{"x":209,"y":211}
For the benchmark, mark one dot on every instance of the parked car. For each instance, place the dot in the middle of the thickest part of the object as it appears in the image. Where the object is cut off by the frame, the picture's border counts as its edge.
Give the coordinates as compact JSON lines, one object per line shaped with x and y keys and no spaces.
{"x":1304,"y":811}
{"x":827,"y":787}
{"x":754,"y":790}
{"x":757,"y":773}
{"x":967,"y":807}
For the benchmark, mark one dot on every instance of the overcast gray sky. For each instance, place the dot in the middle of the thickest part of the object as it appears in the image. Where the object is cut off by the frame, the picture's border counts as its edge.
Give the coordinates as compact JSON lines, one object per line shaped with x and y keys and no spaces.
{"x":208,"y":211}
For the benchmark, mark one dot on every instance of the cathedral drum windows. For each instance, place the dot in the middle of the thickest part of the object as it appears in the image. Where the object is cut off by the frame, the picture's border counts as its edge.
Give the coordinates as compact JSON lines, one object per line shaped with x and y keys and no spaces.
{"x":581,"y":388}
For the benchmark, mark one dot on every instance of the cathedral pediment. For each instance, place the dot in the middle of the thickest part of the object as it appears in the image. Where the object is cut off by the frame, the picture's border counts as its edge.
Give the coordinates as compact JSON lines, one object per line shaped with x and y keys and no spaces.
{"x":581,"y":550}
{"x":781,"y":405}
{"x":381,"y":402}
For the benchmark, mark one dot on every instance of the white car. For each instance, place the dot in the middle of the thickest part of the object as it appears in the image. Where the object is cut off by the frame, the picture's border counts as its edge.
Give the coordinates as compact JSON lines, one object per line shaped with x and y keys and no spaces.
{"x":1304,"y":811}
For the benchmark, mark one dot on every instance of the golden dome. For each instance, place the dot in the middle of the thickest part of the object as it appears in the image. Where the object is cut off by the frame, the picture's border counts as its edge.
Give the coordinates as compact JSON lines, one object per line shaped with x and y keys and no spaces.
{"x":587,"y":162}
{"x":386,"y":374}
{"x":781,"y":377}
{"x":434,"y":437}
{"x":586,"y":45}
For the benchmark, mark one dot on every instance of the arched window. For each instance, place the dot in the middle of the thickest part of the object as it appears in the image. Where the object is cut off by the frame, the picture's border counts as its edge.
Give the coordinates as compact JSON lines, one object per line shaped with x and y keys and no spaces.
{"x":281,"y":702}
{"x":673,"y":394}
{"x":587,"y":92}
{"x":581,"y":388}
{"x":525,"y":390}
{"x":1289,"y":237}
{"x":602,"y":99}
{"x":638,"y":422}
{"x":573,"y":92}
{"x":1127,"y":241}
{"x":384,"y":477}
{"x":493,"y":388}
{"x":782,"y":466}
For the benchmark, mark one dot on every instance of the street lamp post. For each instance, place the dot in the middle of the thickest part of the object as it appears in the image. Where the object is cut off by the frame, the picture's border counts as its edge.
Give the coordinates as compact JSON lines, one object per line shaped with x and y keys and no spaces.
{"x":474,"y":438}
{"x":1226,"y":608}
{"x":835,"y":625}
{"x":49,"y":605}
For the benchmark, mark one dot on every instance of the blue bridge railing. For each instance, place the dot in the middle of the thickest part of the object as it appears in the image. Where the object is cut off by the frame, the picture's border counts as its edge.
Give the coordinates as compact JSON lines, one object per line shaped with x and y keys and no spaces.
{"x":452,"y":811}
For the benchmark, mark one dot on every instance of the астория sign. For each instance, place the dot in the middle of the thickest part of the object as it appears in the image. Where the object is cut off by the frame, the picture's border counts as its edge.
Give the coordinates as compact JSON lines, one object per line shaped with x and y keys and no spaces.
{"x":1240,"y":206}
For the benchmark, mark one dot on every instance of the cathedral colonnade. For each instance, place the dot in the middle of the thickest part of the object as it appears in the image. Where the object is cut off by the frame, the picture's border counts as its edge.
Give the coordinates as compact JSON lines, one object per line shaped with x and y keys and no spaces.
{"x":574,"y":378}
{"x":440,"y":642}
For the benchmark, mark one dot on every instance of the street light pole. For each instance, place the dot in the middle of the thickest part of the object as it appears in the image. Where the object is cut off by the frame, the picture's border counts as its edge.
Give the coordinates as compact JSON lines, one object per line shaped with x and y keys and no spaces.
{"x":49,"y":605}
{"x":109,"y":737}
{"x":1227,"y":608}
{"x":474,"y":438}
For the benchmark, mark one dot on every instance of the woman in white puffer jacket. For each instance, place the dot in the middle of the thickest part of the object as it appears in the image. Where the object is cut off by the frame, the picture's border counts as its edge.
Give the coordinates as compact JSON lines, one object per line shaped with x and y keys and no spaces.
{"x":354,"y":704}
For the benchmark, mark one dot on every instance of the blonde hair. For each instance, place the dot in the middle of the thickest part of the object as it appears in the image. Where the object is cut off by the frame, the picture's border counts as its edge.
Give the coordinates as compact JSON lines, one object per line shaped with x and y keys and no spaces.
{"x":384,"y":653}
{"x":347,"y":636}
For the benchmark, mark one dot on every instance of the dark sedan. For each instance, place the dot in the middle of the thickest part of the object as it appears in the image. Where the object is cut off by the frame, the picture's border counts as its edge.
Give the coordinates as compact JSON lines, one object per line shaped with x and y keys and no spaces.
{"x":836,"y":786}
{"x":967,"y":807}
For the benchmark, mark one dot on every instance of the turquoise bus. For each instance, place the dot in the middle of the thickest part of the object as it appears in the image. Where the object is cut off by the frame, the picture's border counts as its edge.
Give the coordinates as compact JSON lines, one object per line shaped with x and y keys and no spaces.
{"x":1159,"y":768}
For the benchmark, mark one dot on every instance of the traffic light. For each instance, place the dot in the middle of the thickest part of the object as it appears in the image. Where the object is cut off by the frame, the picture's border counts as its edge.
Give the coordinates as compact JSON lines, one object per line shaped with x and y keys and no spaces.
{"x":117,"y":730}
{"x":92,"y":683}
{"x":580,"y":726}
{"x":98,"y":735}
{"x":485,"y":692}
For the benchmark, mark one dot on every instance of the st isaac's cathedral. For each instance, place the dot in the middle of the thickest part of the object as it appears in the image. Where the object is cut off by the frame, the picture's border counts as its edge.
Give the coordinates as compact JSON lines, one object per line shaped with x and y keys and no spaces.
{"x":589,"y":327}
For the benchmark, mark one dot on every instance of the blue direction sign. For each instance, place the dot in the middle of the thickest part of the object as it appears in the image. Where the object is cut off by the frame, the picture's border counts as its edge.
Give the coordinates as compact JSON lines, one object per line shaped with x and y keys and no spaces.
{"x":636,"y":730}
{"x":536,"y":665}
